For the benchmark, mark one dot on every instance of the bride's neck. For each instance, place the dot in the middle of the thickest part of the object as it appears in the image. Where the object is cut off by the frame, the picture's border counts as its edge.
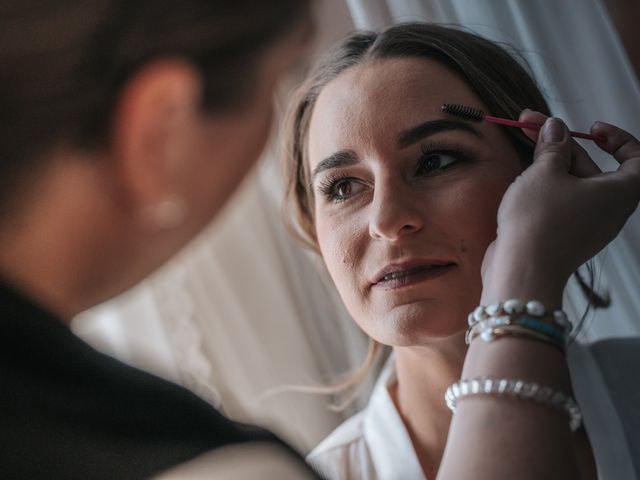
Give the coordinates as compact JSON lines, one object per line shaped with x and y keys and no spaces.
{"x":424,"y":373}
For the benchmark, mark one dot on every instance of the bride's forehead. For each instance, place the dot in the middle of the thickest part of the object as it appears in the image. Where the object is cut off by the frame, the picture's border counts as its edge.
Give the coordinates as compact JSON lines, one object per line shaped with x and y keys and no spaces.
{"x":393,"y":85}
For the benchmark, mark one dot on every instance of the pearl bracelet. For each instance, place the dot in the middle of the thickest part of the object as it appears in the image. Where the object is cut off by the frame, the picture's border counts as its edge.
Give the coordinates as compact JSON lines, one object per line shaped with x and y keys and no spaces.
{"x":515,"y":307}
{"x":493,"y":333}
{"x":514,"y":317}
{"x":517,"y":389}
{"x":494,"y":327}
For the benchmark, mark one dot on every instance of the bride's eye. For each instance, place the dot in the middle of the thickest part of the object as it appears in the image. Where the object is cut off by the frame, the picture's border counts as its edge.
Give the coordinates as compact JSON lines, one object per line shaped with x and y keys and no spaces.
{"x":340,"y":189}
{"x":435,"y":161}
{"x":343,"y":189}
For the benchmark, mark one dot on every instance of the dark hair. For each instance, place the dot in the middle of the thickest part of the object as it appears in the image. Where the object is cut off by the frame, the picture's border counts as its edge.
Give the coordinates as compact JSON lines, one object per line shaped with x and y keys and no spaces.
{"x":62,"y":64}
{"x":491,"y":71}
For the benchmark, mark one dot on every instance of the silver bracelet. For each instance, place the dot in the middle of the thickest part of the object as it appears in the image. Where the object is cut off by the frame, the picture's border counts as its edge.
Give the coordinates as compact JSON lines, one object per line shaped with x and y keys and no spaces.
{"x":518,"y":389}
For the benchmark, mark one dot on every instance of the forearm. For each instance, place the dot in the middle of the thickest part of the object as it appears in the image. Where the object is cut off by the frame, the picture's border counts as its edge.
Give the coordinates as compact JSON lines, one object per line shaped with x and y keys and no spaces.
{"x":497,"y":437}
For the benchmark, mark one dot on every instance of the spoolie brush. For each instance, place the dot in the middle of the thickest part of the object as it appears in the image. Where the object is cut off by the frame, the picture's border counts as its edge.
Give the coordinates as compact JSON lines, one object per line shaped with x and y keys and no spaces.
{"x":478,"y":115}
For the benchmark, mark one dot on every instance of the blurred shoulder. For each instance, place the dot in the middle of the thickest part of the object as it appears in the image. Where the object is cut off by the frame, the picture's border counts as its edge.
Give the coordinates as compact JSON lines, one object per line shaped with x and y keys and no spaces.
{"x":249,"y":460}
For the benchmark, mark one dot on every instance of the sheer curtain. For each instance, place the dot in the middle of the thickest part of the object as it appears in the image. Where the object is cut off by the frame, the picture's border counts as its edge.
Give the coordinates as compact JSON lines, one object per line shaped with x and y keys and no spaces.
{"x":579,"y":61}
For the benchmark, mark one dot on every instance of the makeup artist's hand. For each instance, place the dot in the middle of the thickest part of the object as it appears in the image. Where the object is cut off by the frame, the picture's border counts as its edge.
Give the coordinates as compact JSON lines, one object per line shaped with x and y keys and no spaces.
{"x":562,"y":210}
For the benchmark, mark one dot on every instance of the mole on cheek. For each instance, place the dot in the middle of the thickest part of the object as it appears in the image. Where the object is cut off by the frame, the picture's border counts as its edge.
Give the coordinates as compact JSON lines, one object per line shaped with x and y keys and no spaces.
{"x":463,"y":247}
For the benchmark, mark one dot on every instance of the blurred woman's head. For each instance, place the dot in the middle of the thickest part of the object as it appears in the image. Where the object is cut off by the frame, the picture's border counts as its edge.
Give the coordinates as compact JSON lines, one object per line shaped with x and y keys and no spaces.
{"x":399,"y":198}
{"x":136,"y":119}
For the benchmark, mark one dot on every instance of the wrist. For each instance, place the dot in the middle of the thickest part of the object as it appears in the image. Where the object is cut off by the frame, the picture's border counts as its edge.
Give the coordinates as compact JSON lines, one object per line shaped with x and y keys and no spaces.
{"x":524,"y":287}
{"x":518,"y":358}
{"x":519,"y":272}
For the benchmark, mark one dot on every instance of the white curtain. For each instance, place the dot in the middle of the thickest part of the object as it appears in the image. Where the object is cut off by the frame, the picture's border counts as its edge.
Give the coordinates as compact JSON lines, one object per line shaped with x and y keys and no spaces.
{"x":579,"y":61}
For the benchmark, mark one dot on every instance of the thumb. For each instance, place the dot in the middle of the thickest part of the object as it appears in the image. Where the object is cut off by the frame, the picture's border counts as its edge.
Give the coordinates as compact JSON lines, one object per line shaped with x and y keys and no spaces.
{"x":554,"y":145}
{"x":488,"y":258}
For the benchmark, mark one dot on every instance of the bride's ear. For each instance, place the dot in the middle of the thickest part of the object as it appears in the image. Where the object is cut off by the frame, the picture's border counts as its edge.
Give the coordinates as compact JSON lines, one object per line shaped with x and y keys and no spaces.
{"x":151,"y":126}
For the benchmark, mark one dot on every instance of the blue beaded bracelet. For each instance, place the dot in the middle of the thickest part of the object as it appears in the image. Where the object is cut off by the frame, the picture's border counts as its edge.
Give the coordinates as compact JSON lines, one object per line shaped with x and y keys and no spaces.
{"x":517,"y":318}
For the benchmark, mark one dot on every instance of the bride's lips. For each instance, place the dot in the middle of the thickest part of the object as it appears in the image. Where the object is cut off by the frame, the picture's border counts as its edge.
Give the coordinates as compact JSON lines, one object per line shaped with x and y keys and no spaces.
{"x":397,"y":275}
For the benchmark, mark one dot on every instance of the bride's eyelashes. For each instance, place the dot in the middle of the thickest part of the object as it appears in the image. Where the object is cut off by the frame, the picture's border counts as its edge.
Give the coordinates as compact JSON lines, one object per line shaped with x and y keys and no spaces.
{"x":434,"y":160}
{"x":338,"y":188}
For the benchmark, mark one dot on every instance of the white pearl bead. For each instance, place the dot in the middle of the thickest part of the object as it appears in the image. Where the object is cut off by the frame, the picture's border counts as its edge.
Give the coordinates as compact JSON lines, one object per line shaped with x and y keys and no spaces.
{"x":535,"y":308}
{"x":478,"y":313}
{"x":488,"y":384}
{"x":561,"y":319}
{"x":502,"y":385}
{"x":475,"y":386}
{"x":493,"y":309}
{"x":487,"y":335}
{"x":513,"y":306}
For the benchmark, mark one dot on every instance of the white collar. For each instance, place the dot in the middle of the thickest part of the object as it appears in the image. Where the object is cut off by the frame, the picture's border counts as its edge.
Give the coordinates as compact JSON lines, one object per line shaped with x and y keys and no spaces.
{"x":390,"y":446}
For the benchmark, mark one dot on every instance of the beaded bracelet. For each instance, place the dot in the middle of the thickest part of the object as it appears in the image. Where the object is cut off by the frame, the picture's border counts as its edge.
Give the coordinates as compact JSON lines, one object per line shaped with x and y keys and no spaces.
{"x":494,"y":333}
{"x":514,"y":306}
{"x":485,"y":321}
{"x":517,"y":389}
{"x":487,"y":329}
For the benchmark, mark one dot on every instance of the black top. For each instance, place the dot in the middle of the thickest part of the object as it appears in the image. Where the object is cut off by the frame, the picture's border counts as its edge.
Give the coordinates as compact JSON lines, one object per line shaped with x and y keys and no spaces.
{"x":70,"y":412}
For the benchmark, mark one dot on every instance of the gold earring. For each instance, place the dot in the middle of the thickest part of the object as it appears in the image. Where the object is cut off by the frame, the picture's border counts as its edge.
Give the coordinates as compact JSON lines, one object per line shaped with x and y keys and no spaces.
{"x":169,"y":213}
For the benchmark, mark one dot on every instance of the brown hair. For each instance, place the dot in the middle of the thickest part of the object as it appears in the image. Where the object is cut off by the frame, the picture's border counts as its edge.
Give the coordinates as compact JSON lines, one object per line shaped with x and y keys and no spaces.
{"x":62,"y":64}
{"x":496,"y":73}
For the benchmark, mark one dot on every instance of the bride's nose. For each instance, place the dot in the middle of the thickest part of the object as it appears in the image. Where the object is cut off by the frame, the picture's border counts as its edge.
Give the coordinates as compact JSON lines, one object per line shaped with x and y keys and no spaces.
{"x":394,"y":212}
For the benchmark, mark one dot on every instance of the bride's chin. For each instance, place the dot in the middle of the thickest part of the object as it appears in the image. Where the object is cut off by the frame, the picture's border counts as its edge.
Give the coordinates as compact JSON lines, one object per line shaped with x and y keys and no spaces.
{"x":412,"y":326}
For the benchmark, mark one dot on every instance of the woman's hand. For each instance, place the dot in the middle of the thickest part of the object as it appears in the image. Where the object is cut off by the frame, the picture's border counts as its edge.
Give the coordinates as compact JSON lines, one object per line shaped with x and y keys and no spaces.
{"x":562,"y":210}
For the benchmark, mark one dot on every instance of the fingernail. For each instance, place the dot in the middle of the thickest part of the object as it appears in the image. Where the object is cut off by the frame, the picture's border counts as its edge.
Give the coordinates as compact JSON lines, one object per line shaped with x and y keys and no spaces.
{"x":553,"y":130}
{"x":597,"y":126}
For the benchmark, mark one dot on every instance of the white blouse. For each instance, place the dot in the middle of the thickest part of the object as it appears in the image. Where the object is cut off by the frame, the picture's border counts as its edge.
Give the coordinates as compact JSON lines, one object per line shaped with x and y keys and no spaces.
{"x":375,"y":445}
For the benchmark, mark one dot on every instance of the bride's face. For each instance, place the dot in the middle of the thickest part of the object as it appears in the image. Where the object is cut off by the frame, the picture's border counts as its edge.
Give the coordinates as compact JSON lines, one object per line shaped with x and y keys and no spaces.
{"x":405,"y":196}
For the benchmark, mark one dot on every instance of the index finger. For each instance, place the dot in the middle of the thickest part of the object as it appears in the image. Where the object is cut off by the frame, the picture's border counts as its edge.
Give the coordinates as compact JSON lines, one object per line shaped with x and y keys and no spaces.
{"x":624,"y":147}
{"x":531,"y":116}
{"x":582,"y":165}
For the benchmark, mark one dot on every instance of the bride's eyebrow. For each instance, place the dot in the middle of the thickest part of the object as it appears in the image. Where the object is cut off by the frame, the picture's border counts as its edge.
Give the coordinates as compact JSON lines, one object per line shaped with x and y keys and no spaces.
{"x":345,"y":158}
{"x":431,"y":127}
{"x":341,"y":158}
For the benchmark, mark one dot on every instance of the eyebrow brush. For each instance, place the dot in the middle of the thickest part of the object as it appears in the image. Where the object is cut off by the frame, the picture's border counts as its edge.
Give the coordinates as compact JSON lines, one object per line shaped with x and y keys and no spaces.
{"x":478,"y":115}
